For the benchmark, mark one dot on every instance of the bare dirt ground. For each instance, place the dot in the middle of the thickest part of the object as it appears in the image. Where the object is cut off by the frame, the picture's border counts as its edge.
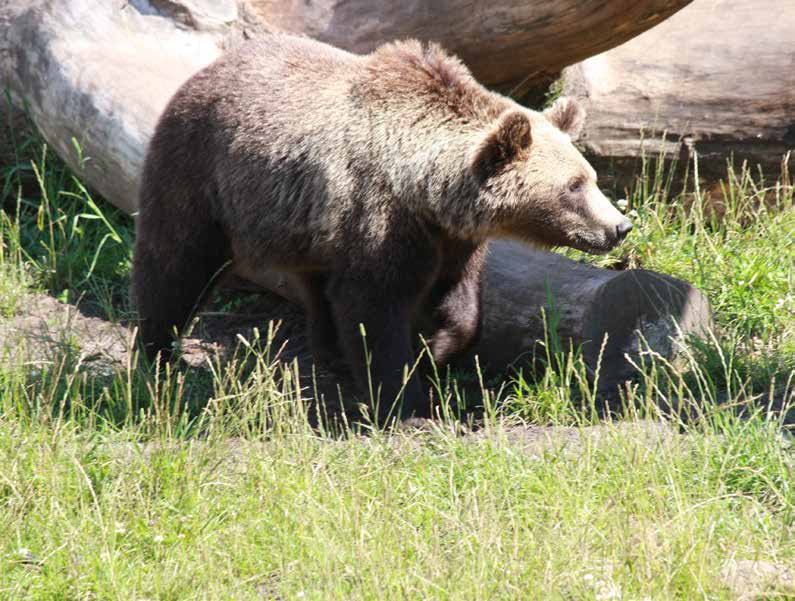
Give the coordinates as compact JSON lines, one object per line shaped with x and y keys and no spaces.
{"x":44,"y":328}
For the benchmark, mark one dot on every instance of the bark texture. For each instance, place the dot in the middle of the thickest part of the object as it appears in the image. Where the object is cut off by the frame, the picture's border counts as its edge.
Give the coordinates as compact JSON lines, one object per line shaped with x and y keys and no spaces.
{"x":503,"y":41}
{"x":718,"y":78}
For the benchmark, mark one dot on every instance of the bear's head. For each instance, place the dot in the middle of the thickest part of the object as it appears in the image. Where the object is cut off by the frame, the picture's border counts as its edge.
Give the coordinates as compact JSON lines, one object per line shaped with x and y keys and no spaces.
{"x":538,"y":187}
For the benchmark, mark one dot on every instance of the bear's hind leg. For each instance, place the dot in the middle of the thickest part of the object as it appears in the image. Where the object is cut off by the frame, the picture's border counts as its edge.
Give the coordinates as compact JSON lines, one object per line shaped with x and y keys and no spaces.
{"x":171,"y":277}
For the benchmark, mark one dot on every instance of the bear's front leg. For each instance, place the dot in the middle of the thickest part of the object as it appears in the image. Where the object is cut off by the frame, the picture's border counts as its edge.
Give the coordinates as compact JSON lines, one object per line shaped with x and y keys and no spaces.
{"x":457,"y":318}
{"x":454,"y":301}
{"x":379,"y":359}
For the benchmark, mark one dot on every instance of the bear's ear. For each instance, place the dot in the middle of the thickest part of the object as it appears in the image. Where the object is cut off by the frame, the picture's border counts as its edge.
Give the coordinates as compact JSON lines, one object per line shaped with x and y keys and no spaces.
{"x":510,"y":136}
{"x":567,"y":115}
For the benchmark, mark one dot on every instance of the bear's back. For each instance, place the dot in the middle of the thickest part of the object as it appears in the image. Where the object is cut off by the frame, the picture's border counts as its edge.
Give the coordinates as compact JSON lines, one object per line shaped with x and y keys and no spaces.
{"x":294,"y":136}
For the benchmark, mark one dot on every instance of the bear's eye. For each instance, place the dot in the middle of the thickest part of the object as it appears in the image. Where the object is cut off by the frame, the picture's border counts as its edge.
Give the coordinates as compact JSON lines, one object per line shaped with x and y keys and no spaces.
{"x":575,"y":185}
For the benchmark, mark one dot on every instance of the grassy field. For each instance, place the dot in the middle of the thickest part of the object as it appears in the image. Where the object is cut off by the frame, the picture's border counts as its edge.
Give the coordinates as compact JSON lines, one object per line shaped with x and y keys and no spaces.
{"x":114,"y":487}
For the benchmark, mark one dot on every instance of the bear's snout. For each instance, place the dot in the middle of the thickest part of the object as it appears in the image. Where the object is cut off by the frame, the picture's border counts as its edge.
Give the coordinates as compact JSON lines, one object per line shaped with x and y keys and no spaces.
{"x":604,"y":227}
{"x":622,"y":229}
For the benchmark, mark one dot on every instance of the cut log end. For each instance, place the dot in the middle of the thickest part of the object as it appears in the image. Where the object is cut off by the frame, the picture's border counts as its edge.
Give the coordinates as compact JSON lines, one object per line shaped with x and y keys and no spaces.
{"x":635,"y":313}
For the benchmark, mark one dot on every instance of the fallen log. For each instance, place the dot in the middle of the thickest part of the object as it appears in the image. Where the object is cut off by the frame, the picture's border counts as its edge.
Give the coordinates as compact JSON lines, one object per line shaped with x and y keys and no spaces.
{"x":100,"y":74}
{"x":502,"y":42}
{"x":717,"y":78}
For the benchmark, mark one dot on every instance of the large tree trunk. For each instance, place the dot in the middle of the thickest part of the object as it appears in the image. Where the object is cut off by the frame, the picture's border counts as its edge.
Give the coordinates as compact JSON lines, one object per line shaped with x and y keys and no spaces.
{"x":717,"y":78}
{"x":502,"y":41}
{"x":100,"y":73}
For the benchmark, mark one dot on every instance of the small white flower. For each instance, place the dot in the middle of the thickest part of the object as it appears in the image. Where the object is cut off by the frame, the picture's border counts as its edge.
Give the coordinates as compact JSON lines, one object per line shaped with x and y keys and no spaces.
{"x":607,"y":591}
{"x":634,"y":214}
{"x":158,"y":538}
{"x":27,"y":557}
{"x":622,"y":204}
{"x":120,"y":529}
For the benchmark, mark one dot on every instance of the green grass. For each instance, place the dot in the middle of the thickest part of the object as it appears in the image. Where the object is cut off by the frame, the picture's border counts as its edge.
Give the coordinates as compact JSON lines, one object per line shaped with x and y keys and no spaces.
{"x":262,"y":505}
{"x":14,"y":275}
{"x":70,"y":247}
{"x":210,"y":484}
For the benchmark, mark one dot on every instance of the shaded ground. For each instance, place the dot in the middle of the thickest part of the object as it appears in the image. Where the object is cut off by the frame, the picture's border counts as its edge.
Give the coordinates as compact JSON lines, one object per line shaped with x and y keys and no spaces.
{"x":45,"y":328}
{"x":47,"y":325}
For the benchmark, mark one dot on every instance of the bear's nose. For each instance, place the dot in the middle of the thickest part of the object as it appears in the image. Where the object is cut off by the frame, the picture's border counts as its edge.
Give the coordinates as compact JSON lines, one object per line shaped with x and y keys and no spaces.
{"x":623,"y":228}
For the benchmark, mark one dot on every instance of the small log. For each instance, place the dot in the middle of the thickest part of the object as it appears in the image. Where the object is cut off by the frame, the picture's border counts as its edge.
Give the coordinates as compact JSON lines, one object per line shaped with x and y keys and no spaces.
{"x":530,"y":296}
{"x":102,"y":74}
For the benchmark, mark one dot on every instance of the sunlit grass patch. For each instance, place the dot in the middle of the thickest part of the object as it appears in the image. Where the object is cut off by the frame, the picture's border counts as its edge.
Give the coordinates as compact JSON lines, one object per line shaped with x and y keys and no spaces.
{"x":263,"y":504}
{"x":735,"y":244}
{"x":15,"y":279}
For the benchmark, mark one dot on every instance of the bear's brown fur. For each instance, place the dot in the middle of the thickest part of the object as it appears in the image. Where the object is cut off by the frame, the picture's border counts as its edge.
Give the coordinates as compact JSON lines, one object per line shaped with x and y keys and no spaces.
{"x":374,"y":181}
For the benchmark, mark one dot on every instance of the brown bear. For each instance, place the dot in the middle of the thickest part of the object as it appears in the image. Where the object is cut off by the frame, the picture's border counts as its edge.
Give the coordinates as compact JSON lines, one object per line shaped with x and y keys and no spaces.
{"x":374,"y":180}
